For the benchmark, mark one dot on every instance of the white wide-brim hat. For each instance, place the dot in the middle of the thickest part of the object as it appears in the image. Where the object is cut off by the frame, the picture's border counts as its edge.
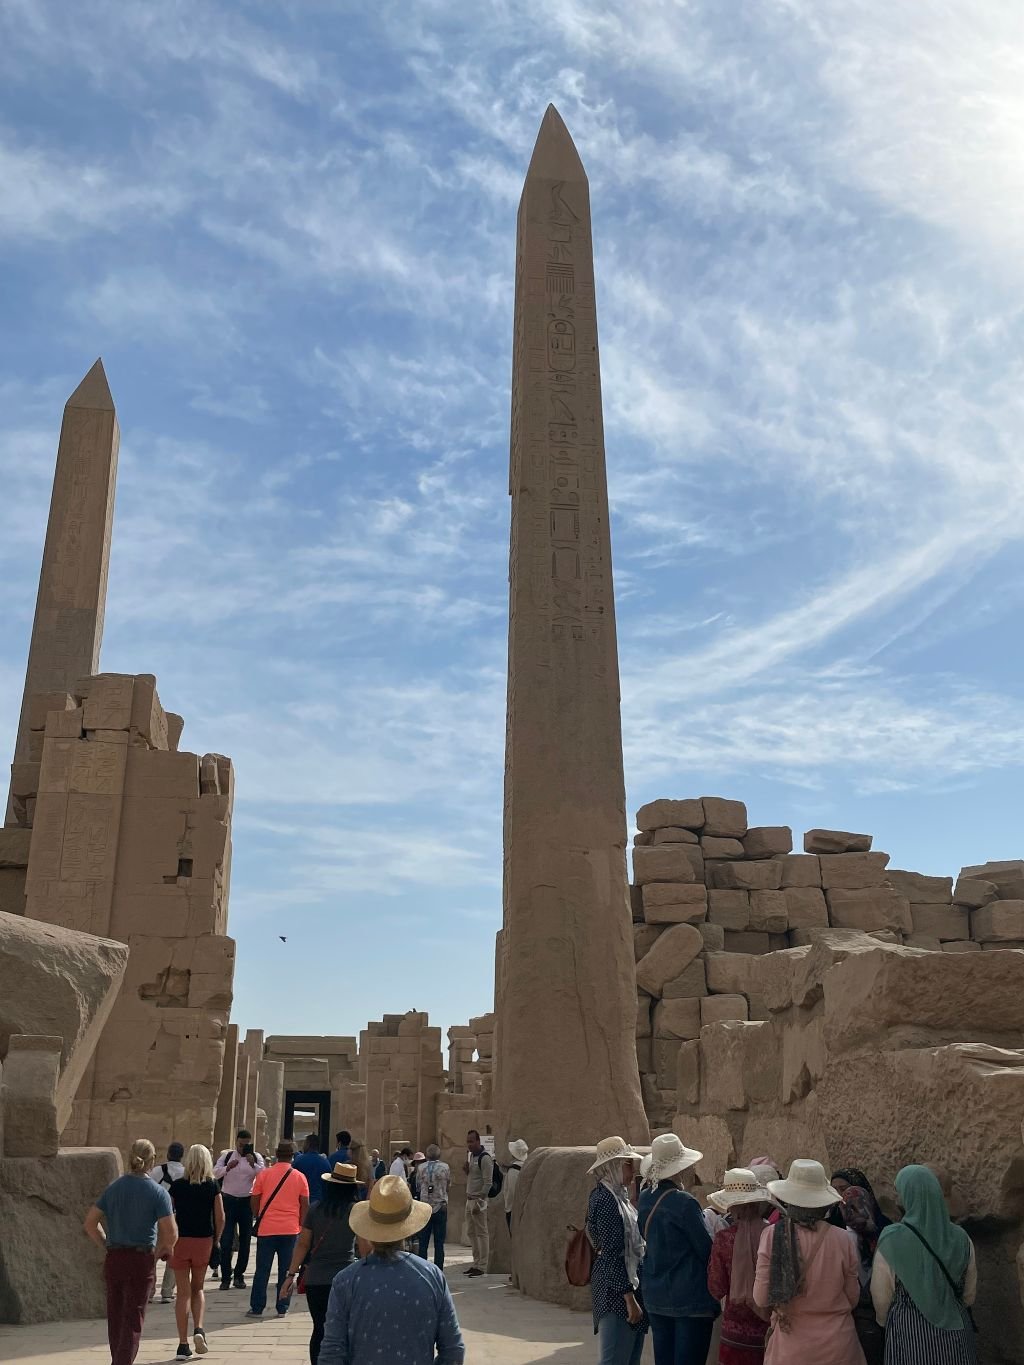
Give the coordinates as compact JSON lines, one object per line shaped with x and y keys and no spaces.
{"x":390,"y":1214}
{"x":741,"y":1187}
{"x":518,"y":1149}
{"x":670,"y":1155}
{"x":807,"y":1186}
{"x":612,"y":1149}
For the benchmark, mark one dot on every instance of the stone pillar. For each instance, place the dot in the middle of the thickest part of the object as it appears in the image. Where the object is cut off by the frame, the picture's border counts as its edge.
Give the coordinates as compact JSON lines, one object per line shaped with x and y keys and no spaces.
{"x":28,"y":1095}
{"x":271,"y":1097}
{"x":224,"y":1129}
{"x":68,"y":623}
{"x":568,"y":1002}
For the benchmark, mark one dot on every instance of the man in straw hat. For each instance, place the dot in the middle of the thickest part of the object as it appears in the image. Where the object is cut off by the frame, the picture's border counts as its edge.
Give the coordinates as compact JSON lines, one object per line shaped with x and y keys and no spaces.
{"x":675,"y":1274}
{"x":391,"y":1306}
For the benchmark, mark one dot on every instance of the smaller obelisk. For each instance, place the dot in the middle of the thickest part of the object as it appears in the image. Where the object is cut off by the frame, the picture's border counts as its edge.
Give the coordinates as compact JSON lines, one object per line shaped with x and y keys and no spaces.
{"x":68,"y":624}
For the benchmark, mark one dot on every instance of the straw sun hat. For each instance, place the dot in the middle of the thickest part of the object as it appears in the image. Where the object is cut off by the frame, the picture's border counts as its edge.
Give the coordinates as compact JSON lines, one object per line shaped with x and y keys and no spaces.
{"x":612,"y":1149}
{"x":741,"y":1187}
{"x":806,"y":1186}
{"x":390,"y":1214}
{"x":343,"y":1174}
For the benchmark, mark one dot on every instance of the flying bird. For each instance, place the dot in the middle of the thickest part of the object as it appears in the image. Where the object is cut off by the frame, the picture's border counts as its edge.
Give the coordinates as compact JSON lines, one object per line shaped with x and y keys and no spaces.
{"x":283,"y":938}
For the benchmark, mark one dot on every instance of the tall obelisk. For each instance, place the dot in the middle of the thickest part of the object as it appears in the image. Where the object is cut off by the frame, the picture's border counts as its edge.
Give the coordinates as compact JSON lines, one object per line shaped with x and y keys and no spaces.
{"x":68,"y":624}
{"x":566,"y":1068}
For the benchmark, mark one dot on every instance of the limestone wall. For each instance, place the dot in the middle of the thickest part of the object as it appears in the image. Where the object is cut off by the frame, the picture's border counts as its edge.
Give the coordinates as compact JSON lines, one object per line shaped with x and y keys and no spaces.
{"x":711,"y":895}
{"x":131,"y":840}
{"x":401,"y":1066}
{"x":471,"y":1059}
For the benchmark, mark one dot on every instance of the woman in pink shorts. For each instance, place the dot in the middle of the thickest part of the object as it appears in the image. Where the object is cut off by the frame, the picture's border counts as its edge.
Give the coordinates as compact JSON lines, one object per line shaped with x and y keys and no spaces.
{"x":199,"y":1211}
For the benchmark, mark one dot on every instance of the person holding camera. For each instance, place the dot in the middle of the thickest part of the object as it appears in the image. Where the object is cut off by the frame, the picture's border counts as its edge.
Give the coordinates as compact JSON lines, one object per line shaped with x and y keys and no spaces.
{"x":237,"y":1170}
{"x":433,"y":1178}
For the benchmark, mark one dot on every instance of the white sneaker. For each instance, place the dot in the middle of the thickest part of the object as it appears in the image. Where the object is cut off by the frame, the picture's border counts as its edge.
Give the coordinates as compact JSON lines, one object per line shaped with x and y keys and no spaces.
{"x":199,"y":1342}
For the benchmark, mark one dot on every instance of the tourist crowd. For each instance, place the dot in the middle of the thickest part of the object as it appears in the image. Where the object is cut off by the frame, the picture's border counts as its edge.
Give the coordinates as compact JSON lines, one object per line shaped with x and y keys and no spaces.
{"x":796,"y":1271}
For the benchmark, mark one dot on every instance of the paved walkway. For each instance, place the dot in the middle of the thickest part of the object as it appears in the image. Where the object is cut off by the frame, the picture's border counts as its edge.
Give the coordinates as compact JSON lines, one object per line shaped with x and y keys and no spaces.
{"x":500,"y":1326}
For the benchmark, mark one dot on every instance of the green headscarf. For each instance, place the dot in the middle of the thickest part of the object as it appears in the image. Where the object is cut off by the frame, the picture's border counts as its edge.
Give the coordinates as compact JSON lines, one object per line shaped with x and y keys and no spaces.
{"x":925,"y":1209}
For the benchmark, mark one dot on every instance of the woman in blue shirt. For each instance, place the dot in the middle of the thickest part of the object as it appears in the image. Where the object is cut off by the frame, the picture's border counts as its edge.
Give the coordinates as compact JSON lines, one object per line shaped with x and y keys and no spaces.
{"x":675,"y":1268}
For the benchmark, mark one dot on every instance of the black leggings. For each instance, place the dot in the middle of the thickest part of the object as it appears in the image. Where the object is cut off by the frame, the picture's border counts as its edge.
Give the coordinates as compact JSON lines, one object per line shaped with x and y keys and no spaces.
{"x":317,"y":1298}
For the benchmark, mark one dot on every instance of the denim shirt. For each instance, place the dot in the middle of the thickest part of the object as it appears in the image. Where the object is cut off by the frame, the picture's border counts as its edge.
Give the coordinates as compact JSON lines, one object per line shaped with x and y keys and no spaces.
{"x":391,"y":1312}
{"x":674,"y":1275}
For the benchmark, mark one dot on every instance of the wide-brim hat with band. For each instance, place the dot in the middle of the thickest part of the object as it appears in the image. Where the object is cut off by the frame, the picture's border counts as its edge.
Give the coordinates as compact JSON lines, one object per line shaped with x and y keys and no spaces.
{"x":390,"y":1214}
{"x":670,"y":1155}
{"x":741,"y":1187}
{"x":807,"y":1186}
{"x":343,"y":1174}
{"x":612,"y":1149}
{"x":518,"y":1149}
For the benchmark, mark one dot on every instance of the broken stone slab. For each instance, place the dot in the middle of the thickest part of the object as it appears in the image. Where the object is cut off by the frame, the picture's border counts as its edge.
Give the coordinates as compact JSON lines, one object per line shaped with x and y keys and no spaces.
{"x":60,"y":983}
{"x":674,"y":836}
{"x":853,"y":871}
{"x":714,"y":847}
{"x":768,"y":912}
{"x":999,"y":921}
{"x":929,"y":942}
{"x":716,"y":1009}
{"x":688,"y":1072}
{"x":691,"y":981}
{"x":28,"y":1095}
{"x":677,"y":1018}
{"x":671,"y":814}
{"x":974,"y":894}
{"x":724,"y":819}
{"x":919,"y":889}
{"x":662,"y":863}
{"x":739,"y":1065}
{"x":768,"y":841}
{"x":961,"y":946}
{"x":765,"y":875}
{"x":674,"y":951}
{"x":800,"y":869}
{"x":731,"y":973}
{"x":713,"y":936}
{"x":1005,"y":946}
{"x":14,"y":846}
{"x":1001,"y":874}
{"x":42,"y":703}
{"x":644,"y":938}
{"x":712,"y":1136}
{"x":730,"y":909}
{"x":674,"y":903}
{"x":941,"y":921}
{"x":747,"y":942}
{"x":806,"y":907}
{"x":836,"y":841}
{"x":878,"y":907}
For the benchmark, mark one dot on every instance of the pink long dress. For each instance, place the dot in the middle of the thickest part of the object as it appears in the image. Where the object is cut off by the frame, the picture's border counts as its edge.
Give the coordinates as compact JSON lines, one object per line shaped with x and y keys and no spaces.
{"x":820,"y":1318}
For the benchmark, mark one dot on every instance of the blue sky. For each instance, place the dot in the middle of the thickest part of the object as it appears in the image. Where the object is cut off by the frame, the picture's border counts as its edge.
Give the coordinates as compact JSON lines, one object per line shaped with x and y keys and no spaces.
{"x":289,"y":230}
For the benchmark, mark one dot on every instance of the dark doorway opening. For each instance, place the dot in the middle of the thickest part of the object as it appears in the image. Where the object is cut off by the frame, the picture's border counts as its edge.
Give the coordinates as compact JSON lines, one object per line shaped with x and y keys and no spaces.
{"x":308,"y":1111}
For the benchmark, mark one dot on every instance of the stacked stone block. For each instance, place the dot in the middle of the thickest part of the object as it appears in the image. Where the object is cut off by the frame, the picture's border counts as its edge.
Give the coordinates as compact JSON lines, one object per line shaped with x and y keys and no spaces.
{"x":401,"y":1066}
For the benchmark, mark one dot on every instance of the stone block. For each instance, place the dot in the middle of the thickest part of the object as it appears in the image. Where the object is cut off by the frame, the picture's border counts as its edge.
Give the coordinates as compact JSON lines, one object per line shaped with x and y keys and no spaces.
{"x":764,"y":875}
{"x":716,"y":1009}
{"x":974,"y":894}
{"x":749,"y":942}
{"x":175,"y":725}
{"x":675,"y":1019}
{"x":643,"y":838}
{"x":724,"y":819}
{"x":645,"y":1055}
{"x":28,"y":1096}
{"x":666,"y":1057}
{"x":852,"y":871}
{"x":997,"y":922}
{"x":929,"y":942}
{"x":14,"y":846}
{"x":870,"y":908}
{"x":713,"y":847}
{"x":800,"y":869}
{"x":636,"y":903}
{"x":806,"y":907}
{"x":160,"y":773}
{"x":919,"y":889}
{"x":739,"y":1064}
{"x":1009,"y":945}
{"x":836,"y":841}
{"x":671,"y":814}
{"x":768,"y":911}
{"x":941,"y":921}
{"x":674,"y":951}
{"x":674,"y":902}
{"x":692,"y":981}
{"x":688,"y":1073}
{"x":730,"y":909}
{"x":60,"y":983}
{"x":713,"y":936}
{"x":64,"y":724}
{"x":731,"y":973}
{"x":662,"y":863}
{"x":42,"y":703}
{"x":643,"y":1014}
{"x":644,"y":938}
{"x":768,"y":841}
{"x":108,"y":701}
{"x":148,"y":719}
{"x":674,"y":836}
{"x":961,"y":946}
{"x":1002,"y":875}
{"x":712,"y":1136}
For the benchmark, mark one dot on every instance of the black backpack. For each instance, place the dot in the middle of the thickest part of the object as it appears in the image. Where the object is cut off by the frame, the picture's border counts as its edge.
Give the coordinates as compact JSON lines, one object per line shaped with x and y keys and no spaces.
{"x":497,"y":1176}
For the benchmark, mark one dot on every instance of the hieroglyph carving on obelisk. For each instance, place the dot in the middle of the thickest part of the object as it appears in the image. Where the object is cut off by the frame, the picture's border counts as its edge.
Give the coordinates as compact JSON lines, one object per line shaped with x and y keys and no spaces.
{"x":68,"y":624}
{"x":566,"y":1069}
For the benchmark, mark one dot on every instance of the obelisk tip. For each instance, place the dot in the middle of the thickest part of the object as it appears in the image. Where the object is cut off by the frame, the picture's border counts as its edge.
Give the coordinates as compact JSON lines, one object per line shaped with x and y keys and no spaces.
{"x":93,"y":392}
{"x":554,"y":155}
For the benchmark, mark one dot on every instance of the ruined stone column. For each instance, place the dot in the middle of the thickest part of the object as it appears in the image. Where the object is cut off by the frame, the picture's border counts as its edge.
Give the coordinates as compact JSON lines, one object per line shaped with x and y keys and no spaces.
{"x":566,"y":1066}
{"x":68,"y":624}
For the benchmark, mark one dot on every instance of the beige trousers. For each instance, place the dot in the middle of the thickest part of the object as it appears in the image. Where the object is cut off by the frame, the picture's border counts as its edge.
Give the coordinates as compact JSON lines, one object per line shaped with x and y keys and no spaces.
{"x":476,"y":1231}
